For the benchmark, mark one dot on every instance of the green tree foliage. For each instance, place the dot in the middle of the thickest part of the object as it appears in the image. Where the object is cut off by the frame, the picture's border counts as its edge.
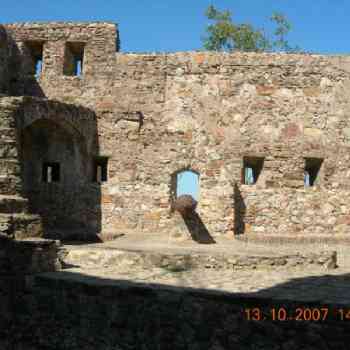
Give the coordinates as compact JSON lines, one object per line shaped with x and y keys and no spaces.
{"x":225,"y":35}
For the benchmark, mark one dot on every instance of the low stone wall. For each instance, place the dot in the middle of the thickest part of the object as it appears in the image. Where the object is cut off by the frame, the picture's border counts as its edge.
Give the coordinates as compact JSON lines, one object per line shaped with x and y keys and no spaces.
{"x":26,"y":257}
{"x":71,"y":311}
{"x":98,"y":258}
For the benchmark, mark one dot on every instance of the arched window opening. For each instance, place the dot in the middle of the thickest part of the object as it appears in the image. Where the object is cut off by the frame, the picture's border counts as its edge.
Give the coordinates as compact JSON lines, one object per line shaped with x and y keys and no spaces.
{"x":187,"y":182}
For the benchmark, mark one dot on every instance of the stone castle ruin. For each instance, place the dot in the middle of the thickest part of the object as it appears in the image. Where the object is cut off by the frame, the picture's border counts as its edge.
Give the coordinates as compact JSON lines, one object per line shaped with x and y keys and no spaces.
{"x":92,"y":140}
{"x":95,"y":144}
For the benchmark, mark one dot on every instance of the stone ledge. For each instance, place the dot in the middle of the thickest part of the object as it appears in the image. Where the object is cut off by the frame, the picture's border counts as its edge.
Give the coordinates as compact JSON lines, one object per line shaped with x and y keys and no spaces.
{"x":26,"y":257}
{"x":99,"y":257}
{"x":296,"y":239}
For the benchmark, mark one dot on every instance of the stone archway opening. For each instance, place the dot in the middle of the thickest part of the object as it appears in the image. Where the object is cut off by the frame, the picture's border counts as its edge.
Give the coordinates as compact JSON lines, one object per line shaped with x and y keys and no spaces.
{"x":56,"y":168}
{"x":185,"y":182}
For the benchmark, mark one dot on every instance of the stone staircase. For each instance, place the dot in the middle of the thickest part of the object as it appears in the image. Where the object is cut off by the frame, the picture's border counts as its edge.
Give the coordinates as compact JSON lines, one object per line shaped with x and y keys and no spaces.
{"x":15,"y":219}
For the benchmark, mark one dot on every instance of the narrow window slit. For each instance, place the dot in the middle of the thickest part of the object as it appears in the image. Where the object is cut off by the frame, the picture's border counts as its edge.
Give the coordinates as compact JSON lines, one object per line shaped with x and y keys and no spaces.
{"x":312,"y":171}
{"x":100,"y":169}
{"x":38,"y":67}
{"x":51,"y":172}
{"x":74,"y":59}
{"x":34,"y":57}
{"x":252,"y":167}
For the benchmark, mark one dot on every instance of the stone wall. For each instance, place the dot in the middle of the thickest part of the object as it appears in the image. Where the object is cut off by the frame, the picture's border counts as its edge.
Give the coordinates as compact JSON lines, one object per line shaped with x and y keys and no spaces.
{"x":298,"y":212}
{"x":35,"y":131}
{"x":4,"y":61}
{"x":20,"y":260}
{"x":207,"y":112}
{"x":99,"y":44}
{"x":10,"y":174}
{"x":15,"y":219}
{"x":66,"y":310}
{"x":158,"y":114}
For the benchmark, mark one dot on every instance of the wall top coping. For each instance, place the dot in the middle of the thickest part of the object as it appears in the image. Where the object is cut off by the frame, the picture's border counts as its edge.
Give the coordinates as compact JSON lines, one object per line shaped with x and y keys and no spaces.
{"x":59,"y":24}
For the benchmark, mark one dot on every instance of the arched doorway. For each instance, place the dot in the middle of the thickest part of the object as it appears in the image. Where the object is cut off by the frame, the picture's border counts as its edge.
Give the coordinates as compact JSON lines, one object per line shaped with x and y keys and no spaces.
{"x":55,"y":171}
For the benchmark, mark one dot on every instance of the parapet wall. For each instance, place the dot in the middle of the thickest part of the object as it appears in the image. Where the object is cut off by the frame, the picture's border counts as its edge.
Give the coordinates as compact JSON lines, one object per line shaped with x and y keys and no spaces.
{"x":68,"y":310}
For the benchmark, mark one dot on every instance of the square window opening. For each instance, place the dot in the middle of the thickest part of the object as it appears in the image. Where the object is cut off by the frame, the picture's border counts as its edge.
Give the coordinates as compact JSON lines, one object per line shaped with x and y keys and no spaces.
{"x":252,"y":167}
{"x":34,"y":57}
{"x":312,"y":171}
{"x":51,"y":172}
{"x":100,"y":170}
{"x":74,"y":59}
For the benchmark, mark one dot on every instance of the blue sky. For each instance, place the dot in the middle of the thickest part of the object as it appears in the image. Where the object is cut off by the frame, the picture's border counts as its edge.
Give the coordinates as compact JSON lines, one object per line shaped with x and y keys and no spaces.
{"x":188,"y":183}
{"x":167,"y":25}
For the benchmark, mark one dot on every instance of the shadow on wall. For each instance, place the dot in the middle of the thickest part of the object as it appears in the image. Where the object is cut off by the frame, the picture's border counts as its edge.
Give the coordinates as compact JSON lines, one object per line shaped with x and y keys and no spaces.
{"x":133,"y":315}
{"x":25,"y":68}
{"x":197,"y":228}
{"x":240,"y":210}
{"x":4,"y":56}
{"x":58,"y":144}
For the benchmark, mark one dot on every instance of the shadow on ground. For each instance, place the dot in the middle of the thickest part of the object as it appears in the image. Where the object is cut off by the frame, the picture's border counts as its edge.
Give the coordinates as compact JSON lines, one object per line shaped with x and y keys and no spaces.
{"x":197,"y":228}
{"x":100,"y":313}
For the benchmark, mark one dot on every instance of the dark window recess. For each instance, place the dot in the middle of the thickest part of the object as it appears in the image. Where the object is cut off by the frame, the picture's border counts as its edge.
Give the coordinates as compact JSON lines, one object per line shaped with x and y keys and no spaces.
{"x":252,"y":167}
{"x":311,"y":171}
{"x":51,"y":172}
{"x":33,"y":55}
{"x":74,"y":59}
{"x":101,"y":169}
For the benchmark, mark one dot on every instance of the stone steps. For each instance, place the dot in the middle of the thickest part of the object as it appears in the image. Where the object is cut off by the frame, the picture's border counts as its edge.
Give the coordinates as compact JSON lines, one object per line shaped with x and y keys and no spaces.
{"x":10,"y":167}
{"x":20,"y":225}
{"x":7,"y":142}
{"x":8,"y":150}
{"x":13,"y":204}
{"x":7,"y":134}
{"x":10,"y":185}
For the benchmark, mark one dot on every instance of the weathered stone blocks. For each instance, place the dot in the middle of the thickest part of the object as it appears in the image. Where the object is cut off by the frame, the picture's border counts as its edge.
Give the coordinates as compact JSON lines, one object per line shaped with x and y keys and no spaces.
{"x":155,"y":114}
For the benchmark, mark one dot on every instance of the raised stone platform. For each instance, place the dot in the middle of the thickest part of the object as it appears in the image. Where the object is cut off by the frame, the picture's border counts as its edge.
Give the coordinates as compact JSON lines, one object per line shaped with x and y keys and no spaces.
{"x":158,"y":252}
{"x":99,"y":257}
{"x":231,"y":266}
